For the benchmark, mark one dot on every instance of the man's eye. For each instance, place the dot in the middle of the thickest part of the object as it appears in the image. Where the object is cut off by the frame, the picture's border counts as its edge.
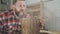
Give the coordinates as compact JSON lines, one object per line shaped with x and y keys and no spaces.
{"x":23,"y":5}
{"x":20,"y":5}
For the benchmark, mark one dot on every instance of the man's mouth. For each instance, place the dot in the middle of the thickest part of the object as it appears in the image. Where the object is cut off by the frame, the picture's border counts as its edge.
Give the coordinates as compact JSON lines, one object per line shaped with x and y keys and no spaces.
{"x":21,"y":10}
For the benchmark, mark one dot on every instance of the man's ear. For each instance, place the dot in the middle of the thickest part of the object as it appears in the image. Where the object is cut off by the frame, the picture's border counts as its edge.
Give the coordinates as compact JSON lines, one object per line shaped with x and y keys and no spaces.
{"x":12,"y":6}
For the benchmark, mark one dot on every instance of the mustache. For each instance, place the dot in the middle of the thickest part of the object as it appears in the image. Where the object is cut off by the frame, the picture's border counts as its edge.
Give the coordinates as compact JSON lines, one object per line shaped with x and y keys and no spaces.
{"x":19,"y":10}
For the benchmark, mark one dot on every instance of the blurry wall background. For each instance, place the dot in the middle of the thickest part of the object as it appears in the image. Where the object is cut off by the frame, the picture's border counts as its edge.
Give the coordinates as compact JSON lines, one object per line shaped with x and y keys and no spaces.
{"x":52,"y":10}
{"x":4,"y":6}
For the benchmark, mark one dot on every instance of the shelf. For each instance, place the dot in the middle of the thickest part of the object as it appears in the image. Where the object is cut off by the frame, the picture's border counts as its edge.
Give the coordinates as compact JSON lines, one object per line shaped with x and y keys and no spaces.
{"x":43,"y":31}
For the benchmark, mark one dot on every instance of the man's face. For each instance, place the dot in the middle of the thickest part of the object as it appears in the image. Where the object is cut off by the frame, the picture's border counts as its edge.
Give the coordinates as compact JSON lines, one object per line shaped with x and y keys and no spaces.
{"x":20,"y":6}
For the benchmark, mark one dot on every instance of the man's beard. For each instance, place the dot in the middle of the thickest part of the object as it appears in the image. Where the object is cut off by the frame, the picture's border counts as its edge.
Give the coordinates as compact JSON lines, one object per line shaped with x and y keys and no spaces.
{"x":19,"y":14}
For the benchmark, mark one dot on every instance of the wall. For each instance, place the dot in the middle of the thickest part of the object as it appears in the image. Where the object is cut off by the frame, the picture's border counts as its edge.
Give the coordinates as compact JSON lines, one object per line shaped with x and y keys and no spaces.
{"x":6,"y":6}
{"x":31,"y":2}
{"x":52,"y":10}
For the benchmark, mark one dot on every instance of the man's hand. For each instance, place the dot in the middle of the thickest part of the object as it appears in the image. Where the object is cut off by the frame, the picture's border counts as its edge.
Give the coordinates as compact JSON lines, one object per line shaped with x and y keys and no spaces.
{"x":13,"y":7}
{"x":41,"y":23}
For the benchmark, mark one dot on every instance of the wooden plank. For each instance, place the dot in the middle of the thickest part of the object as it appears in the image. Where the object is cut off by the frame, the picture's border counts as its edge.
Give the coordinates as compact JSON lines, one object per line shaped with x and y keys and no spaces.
{"x":31,"y":25}
{"x":26,"y":26}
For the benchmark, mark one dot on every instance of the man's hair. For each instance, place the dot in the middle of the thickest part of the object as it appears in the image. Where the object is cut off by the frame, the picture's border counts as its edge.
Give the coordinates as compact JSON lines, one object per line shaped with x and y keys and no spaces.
{"x":20,"y":0}
{"x":17,"y":0}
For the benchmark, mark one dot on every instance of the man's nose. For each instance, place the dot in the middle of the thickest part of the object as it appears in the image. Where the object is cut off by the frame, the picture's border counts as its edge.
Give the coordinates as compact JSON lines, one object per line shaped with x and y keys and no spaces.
{"x":22,"y":8}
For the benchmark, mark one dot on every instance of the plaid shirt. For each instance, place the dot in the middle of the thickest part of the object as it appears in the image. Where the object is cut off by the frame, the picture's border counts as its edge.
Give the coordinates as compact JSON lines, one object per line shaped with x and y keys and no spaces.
{"x":10,"y":21}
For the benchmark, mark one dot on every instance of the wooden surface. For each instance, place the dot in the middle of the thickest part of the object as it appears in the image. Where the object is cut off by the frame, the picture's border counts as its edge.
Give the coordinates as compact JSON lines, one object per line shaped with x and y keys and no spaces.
{"x":43,"y":31}
{"x":26,"y":26}
{"x":49,"y":32}
{"x":30,"y":25}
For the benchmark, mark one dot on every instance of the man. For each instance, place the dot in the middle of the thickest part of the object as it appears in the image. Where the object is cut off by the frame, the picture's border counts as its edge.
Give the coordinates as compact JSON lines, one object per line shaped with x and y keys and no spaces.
{"x":12,"y":18}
